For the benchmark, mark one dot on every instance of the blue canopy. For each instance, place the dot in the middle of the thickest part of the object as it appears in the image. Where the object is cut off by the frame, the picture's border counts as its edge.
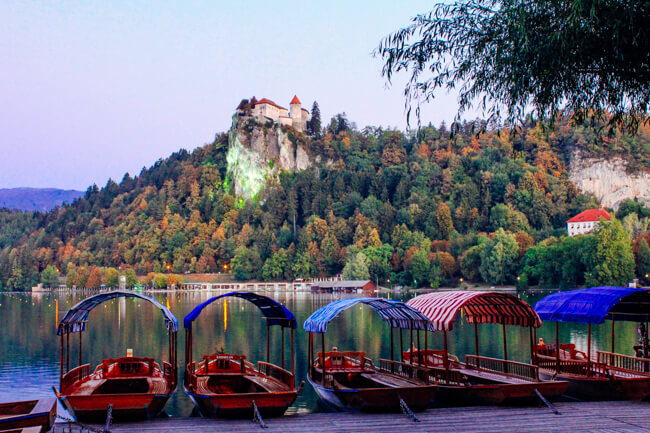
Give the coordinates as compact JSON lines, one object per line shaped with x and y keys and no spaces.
{"x":275,"y":313}
{"x":595,"y":304}
{"x":75,"y":319}
{"x":397,"y":314}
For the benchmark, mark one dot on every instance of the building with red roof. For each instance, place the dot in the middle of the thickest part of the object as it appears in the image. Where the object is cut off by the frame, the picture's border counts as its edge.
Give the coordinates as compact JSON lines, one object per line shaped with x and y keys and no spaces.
{"x":296,"y":117}
{"x":586,"y":221}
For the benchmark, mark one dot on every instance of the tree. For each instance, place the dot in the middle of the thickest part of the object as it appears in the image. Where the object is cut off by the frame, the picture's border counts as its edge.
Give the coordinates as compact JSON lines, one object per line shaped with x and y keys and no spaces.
{"x":587,"y":56}
{"x":50,"y":276}
{"x":131,"y":278}
{"x":445,"y":223}
{"x":314,"y":124}
{"x":112,"y":278}
{"x":643,"y":260}
{"x":613,"y":256}
{"x":499,"y":258}
{"x":356,"y":267}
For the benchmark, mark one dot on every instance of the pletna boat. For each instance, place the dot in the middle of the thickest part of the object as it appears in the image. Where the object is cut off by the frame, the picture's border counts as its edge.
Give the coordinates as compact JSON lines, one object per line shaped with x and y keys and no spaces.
{"x":38,"y":415}
{"x":350,"y":381}
{"x":480,"y":380}
{"x":134,"y":387}
{"x":226,"y":385}
{"x":603,"y":375}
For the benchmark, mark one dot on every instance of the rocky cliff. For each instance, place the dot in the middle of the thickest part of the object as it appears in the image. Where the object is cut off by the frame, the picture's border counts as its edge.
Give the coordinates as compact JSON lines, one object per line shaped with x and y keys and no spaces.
{"x":257,"y":153}
{"x":608,"y":180}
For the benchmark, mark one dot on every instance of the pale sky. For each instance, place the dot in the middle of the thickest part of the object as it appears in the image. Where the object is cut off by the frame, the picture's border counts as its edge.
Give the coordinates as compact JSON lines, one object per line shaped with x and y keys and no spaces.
{"x":90,"y":90}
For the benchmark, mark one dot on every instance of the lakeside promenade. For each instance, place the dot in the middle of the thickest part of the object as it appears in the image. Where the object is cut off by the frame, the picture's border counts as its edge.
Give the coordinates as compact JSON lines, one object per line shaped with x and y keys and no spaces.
{"x":576,"y":417}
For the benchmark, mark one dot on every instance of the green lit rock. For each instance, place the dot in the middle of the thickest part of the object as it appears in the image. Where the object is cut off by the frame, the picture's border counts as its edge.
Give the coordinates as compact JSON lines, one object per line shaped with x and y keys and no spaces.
{"x":258,"y":153}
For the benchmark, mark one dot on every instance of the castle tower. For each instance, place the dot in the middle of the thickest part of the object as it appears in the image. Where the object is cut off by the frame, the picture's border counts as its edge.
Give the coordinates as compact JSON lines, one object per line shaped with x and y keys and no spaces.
{"x":295,"y":112}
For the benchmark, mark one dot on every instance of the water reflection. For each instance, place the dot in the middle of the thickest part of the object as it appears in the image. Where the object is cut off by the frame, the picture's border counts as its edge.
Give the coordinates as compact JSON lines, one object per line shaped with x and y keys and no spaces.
{"x":29,"y":350}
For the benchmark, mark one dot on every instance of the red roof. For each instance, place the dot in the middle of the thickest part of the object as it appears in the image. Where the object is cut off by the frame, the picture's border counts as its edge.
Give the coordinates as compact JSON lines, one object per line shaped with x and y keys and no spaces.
{"x":268,"y":101}
{"x":295,"y":100}
{"x":590,"y":215}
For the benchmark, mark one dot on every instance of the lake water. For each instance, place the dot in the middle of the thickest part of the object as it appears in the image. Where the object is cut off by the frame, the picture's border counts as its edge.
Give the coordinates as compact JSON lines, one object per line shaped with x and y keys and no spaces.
{"x":29,"y":349}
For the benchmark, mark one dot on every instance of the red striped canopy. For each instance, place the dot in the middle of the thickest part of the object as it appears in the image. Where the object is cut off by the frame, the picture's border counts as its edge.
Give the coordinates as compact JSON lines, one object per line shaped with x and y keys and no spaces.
{"x":479,"y":307}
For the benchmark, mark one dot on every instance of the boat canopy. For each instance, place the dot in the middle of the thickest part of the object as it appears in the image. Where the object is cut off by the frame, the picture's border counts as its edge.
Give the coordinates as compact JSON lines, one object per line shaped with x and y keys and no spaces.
{"x":75,"y":319}
{"x":397,"y":314}
{"x":275,"y":313}
{"x":596,"y":304}
{"x":478,"y":307}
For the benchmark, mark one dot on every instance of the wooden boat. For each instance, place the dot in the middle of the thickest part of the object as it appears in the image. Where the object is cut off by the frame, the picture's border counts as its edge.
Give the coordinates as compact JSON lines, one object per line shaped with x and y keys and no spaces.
{"x":607,"y":375}
{"x":480,"y":380}
{"x":349,"y":381}
{"x":226,"y":385}
{"x":37,"y":415}
{"x":134,"y":387}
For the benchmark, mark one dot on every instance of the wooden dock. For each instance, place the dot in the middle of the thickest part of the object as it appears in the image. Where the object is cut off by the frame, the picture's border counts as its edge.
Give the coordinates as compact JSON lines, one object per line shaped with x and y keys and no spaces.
{"x":576,"y":417}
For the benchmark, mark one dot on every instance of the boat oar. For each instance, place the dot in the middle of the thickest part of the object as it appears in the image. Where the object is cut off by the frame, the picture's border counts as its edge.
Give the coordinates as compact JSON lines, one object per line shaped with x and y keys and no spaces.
{"x":257,"y":417}
{"x":407,"y":411}
{"x":546,"y":402}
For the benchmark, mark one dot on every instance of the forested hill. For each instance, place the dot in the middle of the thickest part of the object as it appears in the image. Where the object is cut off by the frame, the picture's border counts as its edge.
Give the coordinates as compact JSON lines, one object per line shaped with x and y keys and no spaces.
{"x":418,"y":209}
{"x":36,"y":199}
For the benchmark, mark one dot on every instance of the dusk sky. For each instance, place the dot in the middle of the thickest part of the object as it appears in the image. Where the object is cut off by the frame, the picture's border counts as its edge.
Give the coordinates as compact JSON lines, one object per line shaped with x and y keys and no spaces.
{"x":93,"y":89}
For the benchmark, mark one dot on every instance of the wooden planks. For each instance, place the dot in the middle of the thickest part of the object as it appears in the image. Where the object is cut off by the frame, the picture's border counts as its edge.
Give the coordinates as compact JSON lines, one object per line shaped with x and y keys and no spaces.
{"x":579,"y":417}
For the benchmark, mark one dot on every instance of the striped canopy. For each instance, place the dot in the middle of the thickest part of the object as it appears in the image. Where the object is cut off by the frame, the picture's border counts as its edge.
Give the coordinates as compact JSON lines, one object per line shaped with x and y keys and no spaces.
{"x":596,"y":304}
{"x":275,"y":313}
{"x":397,"y":314}
{"x":75,"y":319}
{"x":479,"y":307}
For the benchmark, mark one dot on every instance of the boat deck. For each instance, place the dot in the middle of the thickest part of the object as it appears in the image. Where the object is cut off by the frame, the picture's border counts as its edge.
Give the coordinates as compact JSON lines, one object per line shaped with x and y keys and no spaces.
{"x":488,"y":375}
{"x":579,"y":417}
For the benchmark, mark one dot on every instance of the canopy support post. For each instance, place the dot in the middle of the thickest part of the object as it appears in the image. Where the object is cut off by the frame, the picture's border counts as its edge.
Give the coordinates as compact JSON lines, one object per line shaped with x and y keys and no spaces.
{"x":311,"y":353}
{"x":445,"y":356}
{"x":532,"y":345}
{"x":293,"y":357}
{"x":411,"y":345}
{"x":613,"y":334}
{"x":61,"y":373}
{"x":557,"y":347}
{"x":322,"y":358}
{"x":401,"y":345}
{"x":67,"y":349}
{"x":589,"y":350}
{"x":268,"y":343}
{"x":426,"y":345}
{"x":282,"y":347}
{"x":419,"y":349}
{"x":392,"y":351}
{"x":80,"y":334}
{"x":505,"y":343}
{"x":476,"y":337}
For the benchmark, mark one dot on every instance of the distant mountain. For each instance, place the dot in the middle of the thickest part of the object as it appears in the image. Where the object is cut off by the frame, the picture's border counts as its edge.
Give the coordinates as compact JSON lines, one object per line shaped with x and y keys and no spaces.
{"x":36,"y":199}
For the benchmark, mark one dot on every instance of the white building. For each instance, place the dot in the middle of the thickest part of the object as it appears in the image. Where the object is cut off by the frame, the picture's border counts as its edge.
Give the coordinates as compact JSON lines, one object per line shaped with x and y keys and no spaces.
{"x":296,"y":117}
{"x":586,"y":221}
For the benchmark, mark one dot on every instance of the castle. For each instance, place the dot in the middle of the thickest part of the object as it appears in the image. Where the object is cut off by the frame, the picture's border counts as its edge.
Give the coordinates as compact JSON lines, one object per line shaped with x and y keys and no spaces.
{"x":295,"y":117}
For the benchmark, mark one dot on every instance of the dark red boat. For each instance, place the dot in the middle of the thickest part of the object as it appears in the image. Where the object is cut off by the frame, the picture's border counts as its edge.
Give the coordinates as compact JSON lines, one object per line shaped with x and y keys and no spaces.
{"x":479,"y":380}
{"x":607,"y":375}
{"x":134,"y":387}
{"x":350,"y":381}
{"x":226,"y":385}
{"x":35,"y":415}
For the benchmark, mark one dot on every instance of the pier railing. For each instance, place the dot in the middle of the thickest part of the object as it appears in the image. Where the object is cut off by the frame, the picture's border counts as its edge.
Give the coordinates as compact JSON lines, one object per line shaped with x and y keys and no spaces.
{"x":624,"y":362}
{"x":74,"y":375}
{"x":502,"y":366}
{"x":403,"y":369}
{"x":276,"y":372}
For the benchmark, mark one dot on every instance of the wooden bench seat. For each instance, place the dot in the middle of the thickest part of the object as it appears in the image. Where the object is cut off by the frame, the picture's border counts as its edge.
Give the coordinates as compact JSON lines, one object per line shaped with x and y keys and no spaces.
{"x":389,"y":380}
{"x":269,"y":384}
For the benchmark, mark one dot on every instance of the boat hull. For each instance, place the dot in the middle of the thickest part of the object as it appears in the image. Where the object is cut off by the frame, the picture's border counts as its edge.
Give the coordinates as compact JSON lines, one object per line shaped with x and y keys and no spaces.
{"x":241,"y":405}
{"x":602,"y":388}
{"x":24,"y":414}
{"x":417,"y":398}
{"x":496,"y":394}
{"x":125,"y":406}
